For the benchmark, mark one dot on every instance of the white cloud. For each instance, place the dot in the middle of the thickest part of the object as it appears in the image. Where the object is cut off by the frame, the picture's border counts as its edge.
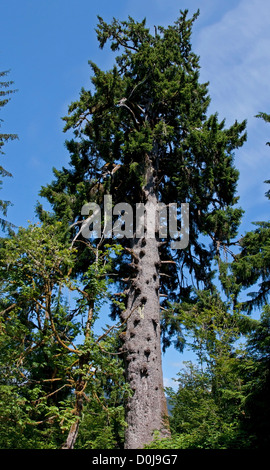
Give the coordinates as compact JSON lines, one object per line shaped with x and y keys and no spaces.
{"x":235,"y":58}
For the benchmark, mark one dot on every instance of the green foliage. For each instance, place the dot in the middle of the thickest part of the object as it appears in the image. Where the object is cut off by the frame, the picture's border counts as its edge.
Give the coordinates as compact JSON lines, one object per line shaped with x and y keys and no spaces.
{"x":257,"y":378}
{"x":250,"y":268}
{"x":57,"y":372}
{"x":5,"y":91}
{"x":150,"y":108}
{"x":206,"y":416}
{"x":266,"y":118}
{"x":51,"y":359}
{"x":222,"y":400}
{"x":199,"y":420}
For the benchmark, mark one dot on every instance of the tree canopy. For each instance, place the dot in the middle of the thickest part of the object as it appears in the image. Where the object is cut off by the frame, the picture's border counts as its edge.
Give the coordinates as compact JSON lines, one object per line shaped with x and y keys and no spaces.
{"x":142,"y":136}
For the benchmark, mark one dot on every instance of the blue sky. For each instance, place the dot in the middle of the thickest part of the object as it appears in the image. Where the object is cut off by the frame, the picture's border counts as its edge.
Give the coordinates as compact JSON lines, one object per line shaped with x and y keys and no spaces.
{"x":47,"y":44}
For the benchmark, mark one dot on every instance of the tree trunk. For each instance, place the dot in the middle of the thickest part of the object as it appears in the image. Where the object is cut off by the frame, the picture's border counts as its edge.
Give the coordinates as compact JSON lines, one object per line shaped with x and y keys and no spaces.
{"x":147,"y":408}
{"x":72,"y":436}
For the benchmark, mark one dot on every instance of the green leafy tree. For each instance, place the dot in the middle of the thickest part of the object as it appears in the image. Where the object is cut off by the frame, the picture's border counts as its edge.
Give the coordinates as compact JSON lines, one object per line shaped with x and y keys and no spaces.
{"x":250,"y":270}
{"x":249,"y":274}
{"x":208,"y":410}
{"x":201,"y":421}
{"x":257,"y":380}
{"x":5,"y":92}
{"x":52,"y":361}
{"x":214,"y":417}
{"x":142,"y":135}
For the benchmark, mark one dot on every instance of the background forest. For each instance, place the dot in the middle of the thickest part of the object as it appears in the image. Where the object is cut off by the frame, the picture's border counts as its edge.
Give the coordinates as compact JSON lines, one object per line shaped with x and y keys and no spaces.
{"x":63,"y":378}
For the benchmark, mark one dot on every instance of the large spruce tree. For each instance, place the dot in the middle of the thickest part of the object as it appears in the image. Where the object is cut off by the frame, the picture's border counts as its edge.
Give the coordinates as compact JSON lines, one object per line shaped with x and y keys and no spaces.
{"x":142,"y":135}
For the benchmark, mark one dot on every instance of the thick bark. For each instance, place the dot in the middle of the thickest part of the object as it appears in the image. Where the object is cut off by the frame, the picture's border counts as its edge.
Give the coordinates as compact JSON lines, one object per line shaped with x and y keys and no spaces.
{"x":147,"y":408}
